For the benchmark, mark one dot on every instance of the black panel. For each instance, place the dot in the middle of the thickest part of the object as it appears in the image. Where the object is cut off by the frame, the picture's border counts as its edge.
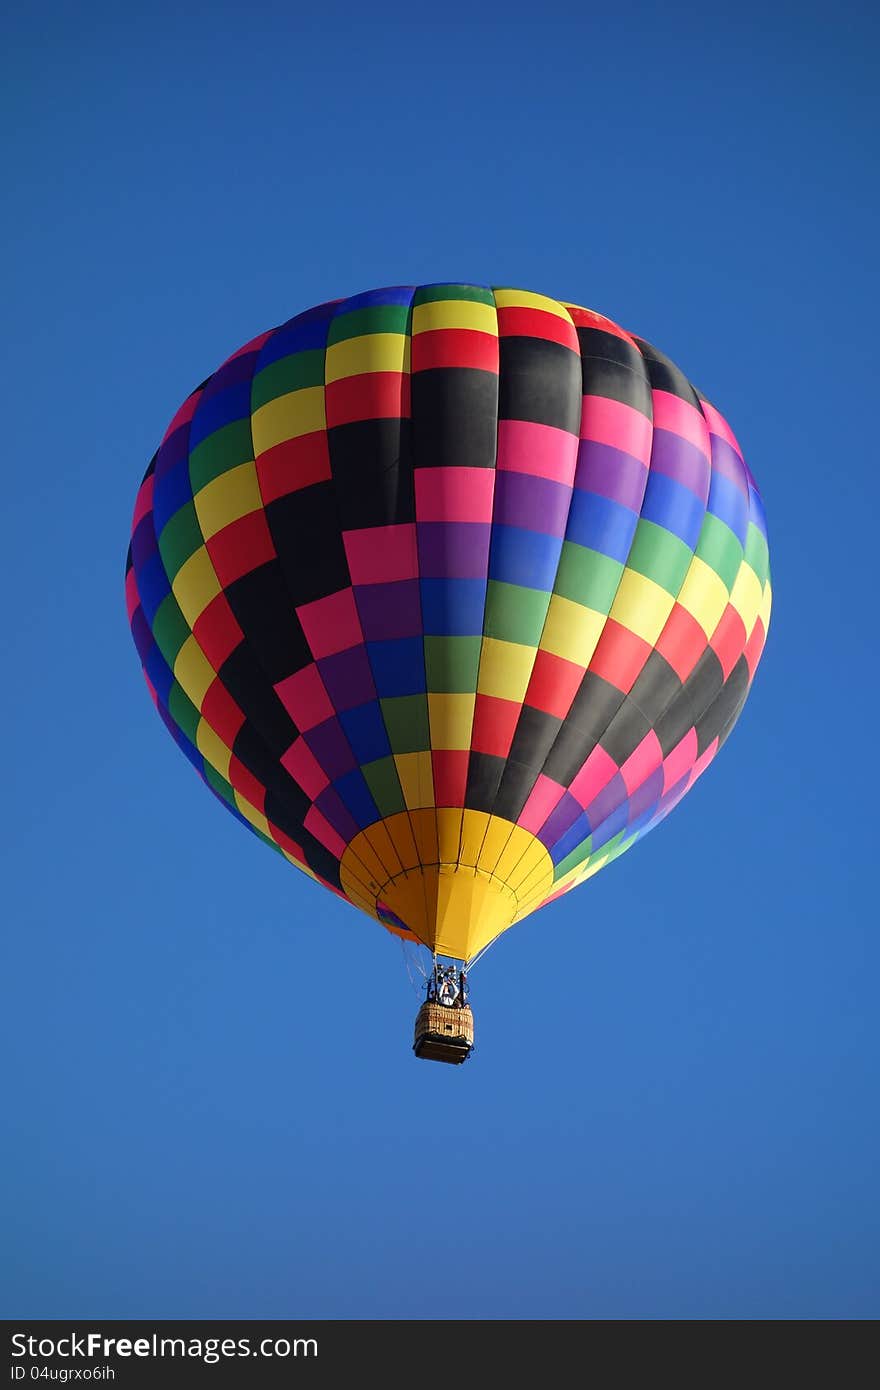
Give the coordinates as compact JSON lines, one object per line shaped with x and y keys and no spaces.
{"x":722,"y":713}
{"x":704,"y":682}
{"x":455,"y":417}
{"x":264,"y":609}
{"x":540,"y":381}
{"x":252,"y":750}
{"x":592,"y":710}
{"x":674,"y":723}
{"x":371,"y":462}
{"x":484,"y":778}
{"x":595,"y":343}
{"x":656,"y":687}
{"x":248,"y":686}
{"x":665,"y":376}
{"x":625,"y":732}
{"x":319,"y":859}
{"x":307,"y":537}
{"x":288,"y":808}
{"x":615,"y":383}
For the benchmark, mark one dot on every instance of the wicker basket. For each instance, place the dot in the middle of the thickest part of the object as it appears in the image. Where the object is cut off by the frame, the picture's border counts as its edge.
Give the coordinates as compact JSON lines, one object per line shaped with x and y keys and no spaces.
{"x":443,"y":1034}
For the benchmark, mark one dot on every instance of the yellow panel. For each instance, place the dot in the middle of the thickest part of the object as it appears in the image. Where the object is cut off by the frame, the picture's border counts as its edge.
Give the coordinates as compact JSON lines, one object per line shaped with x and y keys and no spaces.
{"x":704,"y":595}
{"x":225,"y":499}
{"x":642,"y":606}
{"x":497,"y":838}
{"x":212,"y":747}
{"x":193,"y":671}
{"x":381,"y":843}
{"x":400,"y":832}
{"x":746,"y":596}
{"x":251,"y":813}
{"x":416,"y":778}
{"x":455,"y":313}
{"x":424,"y":827}
{"x":512,"y":855}
{"x":195,"y":585}
{"x":525,"y":299}
{"x":534,"y":857}
{"x":766,"y":605}
{"x":371,"y":352}
{"x":505,"y":669}
{"x":474,"y":825}
{"x":452,"y":720}
{"x":571,"y":630}
{"x":449,"y":833}
{"x":287,"y":417}
{"x":369,"y":868}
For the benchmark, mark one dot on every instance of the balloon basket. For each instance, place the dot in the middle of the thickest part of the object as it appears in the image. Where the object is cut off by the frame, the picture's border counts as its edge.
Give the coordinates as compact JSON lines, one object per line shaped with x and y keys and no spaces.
{"x":444,"y":1034}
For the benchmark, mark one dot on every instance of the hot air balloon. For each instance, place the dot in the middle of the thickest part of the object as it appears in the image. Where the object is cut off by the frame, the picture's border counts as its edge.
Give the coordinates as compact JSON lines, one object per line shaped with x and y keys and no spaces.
{"x":450,"y":594}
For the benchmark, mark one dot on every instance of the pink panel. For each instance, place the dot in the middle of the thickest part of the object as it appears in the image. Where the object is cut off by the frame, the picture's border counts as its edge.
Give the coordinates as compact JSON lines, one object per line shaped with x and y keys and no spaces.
{"x":382,"y":554}
{"x":304,"y":768}
{"x":305,"y":698}
{"x":331,"y":624}
{"x":595,"y":774}
{"x":322,"y":830}
{"x":543,"y":450}
{"x":454,"y":494}
{"x":616,"y":424}
{"x":680,"y":760}
{"x":640,"y":764}
{"x":674,"y":414}
{"x":718,"y":425}
{"x":545,"y":795}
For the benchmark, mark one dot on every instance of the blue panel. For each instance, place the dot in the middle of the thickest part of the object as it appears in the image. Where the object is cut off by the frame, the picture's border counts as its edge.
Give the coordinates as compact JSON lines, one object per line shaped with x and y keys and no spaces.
{"x":573,"y":837}
{"x":729,"y":504}
{"x":365,"y":730}
{"x":669,"y":504}
{"x":524,"y":557}
{"x":611,"y":825}
{"x":213,"y":412}
{"x":171,"y":492}
{"x":153,"y":586}
{"x":601,"y":524}
{"x":453,"y":607}
{"x":398,"y":667}
{"x":357,"y":799}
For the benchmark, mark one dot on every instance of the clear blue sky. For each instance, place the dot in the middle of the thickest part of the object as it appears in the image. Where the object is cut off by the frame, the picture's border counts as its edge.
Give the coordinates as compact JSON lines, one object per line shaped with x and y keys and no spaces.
{"x":196,"y":1125}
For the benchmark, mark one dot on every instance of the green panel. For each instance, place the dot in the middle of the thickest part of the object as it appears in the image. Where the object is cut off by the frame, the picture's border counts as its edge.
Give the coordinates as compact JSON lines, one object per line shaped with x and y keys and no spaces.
{"x":756,"y":552}
{"x":180,"y":538}
{"x":219,"y":784}
{"x":587,"y":577}
{"x":183,"y":711}
{"x":222,"y":450}
{"x":452,"y":664}
{"x":514,"y":613}
{"x":267,"y":840}
{"x":378,"y":318}
{"x":659,"y":555}
{"x":406,"y":719}
{"x":291,"y":373}
{"x":170,"y":628}
{"x":720,"y":549}
{"x":578,"y":856}
{"x":384,"y":784}
{"x":430,"y":294}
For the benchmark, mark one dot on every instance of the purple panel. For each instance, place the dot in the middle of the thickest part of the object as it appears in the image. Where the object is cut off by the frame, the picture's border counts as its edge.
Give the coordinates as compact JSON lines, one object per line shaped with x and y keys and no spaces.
{"x":330,"y":805}
{"x":609,"y":798}
{"x":239,"y":370}
{"x":453,"y":550}
{"x":389,"y":610}
{"x":647,"y":795}
{"x":331,"y":748}
{"x":674,"y":456}
{"x":347,"y":678}
{"x":611,"y":473}
{"x":560,"y":819}
{"x":533,"y":503}
{"x":728,"y":463}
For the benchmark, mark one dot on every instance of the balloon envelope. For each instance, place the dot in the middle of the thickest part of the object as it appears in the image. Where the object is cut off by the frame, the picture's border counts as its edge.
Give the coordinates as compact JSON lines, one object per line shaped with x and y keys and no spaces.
{"x":450,"y":594}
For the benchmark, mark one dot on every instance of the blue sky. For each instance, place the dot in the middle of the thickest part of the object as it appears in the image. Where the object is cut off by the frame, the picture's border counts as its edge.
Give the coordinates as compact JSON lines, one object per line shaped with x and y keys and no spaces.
{"x":197,"y":1126}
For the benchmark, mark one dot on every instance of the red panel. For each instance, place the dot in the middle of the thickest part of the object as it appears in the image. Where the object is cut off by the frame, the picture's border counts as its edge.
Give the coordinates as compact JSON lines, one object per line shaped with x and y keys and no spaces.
{"x":242,"y":546}
{"x":682,"y":641}
{"x":217,"y":631}
{"x":620,"y":655}
{"x":755,"y":646}
{"x":221,"y":712}
{"x":246,"y":783}
{"x":729,"y":639}
{"x":286,"y":843}
{"x":370,"y":396}
{"x":454,"y":347}
{"x":515,"y":321}
{"x":586,"y":318}
{"x":554,"y":683}
{"x":494,"y":725}
{"x":293,"y":464}
{"x":450,"y":777}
